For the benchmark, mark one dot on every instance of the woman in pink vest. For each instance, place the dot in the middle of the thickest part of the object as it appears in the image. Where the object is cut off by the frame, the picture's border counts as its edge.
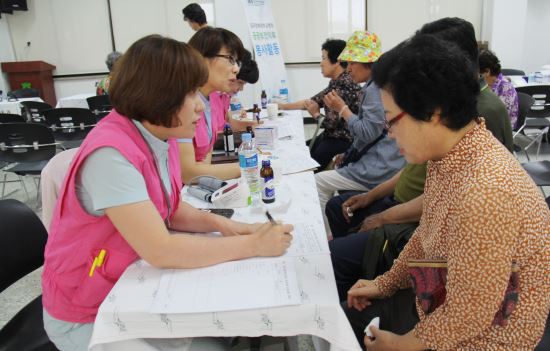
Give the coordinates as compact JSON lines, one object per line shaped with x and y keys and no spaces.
{"x":222,"y":51}
{"x":122,"y":194}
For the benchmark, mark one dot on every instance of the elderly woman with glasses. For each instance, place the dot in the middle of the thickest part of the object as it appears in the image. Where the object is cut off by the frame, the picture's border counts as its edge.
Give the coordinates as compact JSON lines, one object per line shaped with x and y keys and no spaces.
{"x":480,"y":259}
{"x":223,"y":52}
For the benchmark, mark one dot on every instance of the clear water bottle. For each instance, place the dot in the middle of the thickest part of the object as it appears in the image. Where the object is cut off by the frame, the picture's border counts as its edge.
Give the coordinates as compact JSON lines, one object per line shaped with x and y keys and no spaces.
{"x":538,"y":77}
{"x":235,"y":106}
{"x":248,"y":162}
{"x":283,"y":91}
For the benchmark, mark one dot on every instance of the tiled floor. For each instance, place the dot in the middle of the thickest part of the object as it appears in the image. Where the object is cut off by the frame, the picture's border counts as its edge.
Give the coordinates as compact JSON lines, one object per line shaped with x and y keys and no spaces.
{"x":19,"y":294}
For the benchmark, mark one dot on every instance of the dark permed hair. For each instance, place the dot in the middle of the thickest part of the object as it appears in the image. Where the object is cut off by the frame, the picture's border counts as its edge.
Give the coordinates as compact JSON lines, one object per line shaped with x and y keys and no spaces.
{"x":425,"y":73}
{"x":334,"y":47}
{"x":489,"y":61}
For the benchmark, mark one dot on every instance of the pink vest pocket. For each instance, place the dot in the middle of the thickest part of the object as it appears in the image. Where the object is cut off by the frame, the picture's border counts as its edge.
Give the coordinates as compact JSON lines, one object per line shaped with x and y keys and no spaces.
{"x":91,"y":291}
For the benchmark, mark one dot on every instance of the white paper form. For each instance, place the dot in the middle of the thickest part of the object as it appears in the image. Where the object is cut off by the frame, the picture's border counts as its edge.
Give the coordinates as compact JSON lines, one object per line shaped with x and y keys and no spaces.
{"x":307,"y":240}
{"x":229,"y":286}
{"x":295,"y":162}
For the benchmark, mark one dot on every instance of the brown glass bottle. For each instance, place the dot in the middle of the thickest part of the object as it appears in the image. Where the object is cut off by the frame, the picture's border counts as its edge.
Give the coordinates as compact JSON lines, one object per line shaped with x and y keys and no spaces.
{"x":268,"y":188}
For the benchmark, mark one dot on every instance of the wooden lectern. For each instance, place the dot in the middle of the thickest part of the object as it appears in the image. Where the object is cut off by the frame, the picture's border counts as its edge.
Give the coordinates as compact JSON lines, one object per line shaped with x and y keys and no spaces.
{"x":38,"y":73}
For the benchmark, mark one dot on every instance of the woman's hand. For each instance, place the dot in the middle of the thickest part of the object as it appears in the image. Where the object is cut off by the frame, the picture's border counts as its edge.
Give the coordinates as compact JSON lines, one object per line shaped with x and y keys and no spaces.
{"x":334,"y":101}
{"x":361,"y":293}
{"x":354,"y":203}
{"x":272,"y":240}
{"x":382,"y":340}
{"x":338,"y":160}
{"x":313,"y":108}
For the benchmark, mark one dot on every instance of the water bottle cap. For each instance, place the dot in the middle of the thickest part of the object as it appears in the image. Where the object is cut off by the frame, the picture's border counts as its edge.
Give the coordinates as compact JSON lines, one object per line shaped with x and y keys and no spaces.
{"x":266,"y":163}
{"x":246,"y":137}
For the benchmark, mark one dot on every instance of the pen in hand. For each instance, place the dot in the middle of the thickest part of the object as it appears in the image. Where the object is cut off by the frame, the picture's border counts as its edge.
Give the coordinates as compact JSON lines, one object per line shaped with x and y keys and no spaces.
{"x":268,"y":215}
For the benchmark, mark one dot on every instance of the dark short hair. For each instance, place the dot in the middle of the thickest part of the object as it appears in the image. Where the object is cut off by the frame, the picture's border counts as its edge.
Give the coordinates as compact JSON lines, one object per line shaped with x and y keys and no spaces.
{"x":153,"y":78}
{"x":334,"y":47}
{"x":209,"y":41}
{"x":194,"y":12}
{"x":488,"y":60}
{"x":249,"y":69}
{"x":456,"y":30}
{"x":425,"y":73}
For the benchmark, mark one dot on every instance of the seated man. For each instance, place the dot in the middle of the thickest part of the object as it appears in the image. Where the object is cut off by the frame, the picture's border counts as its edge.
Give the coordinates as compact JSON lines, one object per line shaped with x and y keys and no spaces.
{"x":371,"y":209}
{"x":401,"y":197}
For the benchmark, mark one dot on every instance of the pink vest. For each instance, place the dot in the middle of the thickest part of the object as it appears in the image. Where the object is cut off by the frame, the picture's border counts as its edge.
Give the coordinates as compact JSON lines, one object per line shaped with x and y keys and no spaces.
{"x":76,"y":237}
{"x":219,"y":104}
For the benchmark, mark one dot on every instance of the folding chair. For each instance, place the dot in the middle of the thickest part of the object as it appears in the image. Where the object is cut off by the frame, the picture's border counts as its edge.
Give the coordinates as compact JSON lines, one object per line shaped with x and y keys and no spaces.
{"x":33,"y":110}
{"x":536,"y":122}
{"x":11,"y":118}
{"x":24,"y":236}
{"x":25,"y":149}
{"x":100,"y":105}
{"x":70,"y":125}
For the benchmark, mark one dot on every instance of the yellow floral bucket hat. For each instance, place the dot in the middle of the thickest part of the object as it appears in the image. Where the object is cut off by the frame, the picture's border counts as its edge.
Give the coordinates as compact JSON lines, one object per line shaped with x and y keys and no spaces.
{"x":362,"y":46}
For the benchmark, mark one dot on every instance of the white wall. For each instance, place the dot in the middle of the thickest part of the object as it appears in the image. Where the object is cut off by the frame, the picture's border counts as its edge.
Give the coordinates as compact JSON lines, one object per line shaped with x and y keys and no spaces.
{"x":507,"y":31}
{"x":6,"y":51}
{"x":536,"y":38}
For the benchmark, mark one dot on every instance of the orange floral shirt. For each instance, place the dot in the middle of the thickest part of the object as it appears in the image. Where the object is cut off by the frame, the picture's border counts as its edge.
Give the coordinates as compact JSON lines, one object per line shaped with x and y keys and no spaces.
{"x":481,"y":211}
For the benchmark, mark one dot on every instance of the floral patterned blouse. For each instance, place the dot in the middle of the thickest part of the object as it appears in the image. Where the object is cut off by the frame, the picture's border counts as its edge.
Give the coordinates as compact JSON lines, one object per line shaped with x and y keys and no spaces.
{"x":507,"y":93}
{"x":349,"y":91}
{"x":481,"y":211}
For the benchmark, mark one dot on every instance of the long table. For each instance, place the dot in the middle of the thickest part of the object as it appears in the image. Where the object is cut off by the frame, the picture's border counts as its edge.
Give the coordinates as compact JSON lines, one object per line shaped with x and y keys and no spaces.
{"x":124,"y":317}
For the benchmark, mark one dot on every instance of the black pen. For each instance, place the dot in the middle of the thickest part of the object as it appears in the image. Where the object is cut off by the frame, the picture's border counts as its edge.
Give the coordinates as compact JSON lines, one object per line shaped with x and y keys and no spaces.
{"x":268,"y":215}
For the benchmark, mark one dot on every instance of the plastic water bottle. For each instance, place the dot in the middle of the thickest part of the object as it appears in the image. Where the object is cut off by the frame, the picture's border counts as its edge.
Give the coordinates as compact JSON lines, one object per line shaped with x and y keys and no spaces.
{"x":283,"y":91}
{"x":248,"y":162}
{"x":538,"y":77}
{"x":235,"y":105}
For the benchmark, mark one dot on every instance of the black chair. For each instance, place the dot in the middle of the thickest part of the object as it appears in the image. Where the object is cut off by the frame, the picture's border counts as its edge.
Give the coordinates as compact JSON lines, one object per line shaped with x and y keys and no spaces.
{"x":24,"y":93}
{"x":512,"y":72}
{"x":100,"y":105}
{"x":539,"y":171}
{"x":24,"y":234}
{"x":70,"y":125}
{"x":25,"y":148}
{"x":525,"y":103}
{"x":536,"y":118}
{"x":33,"y":110}
{"x":11,"y":118}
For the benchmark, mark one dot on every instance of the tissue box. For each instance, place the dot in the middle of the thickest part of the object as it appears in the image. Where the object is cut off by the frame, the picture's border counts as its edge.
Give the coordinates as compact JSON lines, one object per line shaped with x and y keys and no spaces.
{"x":266,"y":137}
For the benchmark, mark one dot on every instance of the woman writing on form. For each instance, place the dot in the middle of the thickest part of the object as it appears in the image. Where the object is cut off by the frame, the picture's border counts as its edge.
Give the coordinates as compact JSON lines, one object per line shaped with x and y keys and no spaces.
{"x":122,"y":194}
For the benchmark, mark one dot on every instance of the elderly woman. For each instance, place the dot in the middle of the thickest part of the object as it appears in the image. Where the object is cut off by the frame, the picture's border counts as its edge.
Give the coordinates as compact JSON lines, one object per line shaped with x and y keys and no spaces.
{"x":482,"y":215}
{"x":376,"y":156}
{"x":122,"y":194}
{"x":336,"y":137}
{"x":102,"y":87}
{"x":489,"y":68}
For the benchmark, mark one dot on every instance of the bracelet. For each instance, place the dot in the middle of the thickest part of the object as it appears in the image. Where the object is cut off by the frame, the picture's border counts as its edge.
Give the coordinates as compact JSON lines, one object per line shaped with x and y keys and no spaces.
{"x":342,"y":110}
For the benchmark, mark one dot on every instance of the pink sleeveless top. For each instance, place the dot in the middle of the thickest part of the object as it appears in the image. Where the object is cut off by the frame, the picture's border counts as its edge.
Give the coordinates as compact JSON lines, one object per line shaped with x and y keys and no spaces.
{"x":76,"y":237}
{"x":219,"y":104}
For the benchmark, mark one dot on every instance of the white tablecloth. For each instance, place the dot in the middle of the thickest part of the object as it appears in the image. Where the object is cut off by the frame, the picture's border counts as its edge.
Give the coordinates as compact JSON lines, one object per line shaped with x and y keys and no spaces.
{"x":78,"y":100}
{"x":124,"y":315}
{"x":13,"y":106}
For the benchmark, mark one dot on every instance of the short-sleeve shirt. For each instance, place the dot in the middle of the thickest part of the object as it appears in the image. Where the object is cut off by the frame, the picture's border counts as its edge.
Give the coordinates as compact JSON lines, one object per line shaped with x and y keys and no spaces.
{"x":350,"y":92}
{"x":107,"y":179}
{"x":411,"y":183}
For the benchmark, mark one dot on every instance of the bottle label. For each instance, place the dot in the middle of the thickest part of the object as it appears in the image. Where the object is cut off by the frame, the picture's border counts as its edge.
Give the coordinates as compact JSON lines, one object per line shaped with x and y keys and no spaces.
{"x":264,"y":103}
{"x":235,"y":106}
{"x":228,"y":143}
{"x":268,"y":192}
{"x":247,"y":162}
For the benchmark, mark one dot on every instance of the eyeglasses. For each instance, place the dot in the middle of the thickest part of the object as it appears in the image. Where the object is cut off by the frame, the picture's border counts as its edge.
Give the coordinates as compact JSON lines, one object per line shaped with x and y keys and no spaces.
{"x":391,"y":122}
{"x":231,"y":59}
